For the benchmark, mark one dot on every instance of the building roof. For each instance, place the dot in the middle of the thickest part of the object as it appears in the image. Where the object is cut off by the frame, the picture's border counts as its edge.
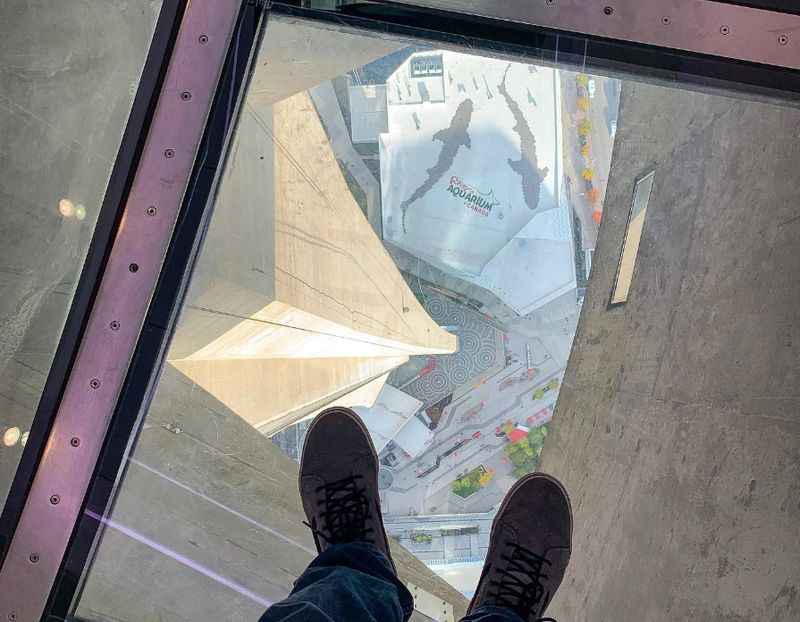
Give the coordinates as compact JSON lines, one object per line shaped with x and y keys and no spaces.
{"x":484,"y":165}
{"x":413,"y":437}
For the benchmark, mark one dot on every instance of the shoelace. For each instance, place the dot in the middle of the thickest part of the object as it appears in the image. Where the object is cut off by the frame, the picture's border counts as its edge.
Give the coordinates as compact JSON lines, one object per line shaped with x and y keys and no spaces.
{"x":344,"y":515}
{"x":520,"y":587}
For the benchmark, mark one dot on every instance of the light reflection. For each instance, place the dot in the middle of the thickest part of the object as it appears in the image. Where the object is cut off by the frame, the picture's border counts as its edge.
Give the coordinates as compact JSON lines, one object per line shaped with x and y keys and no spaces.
{"x":11,"y":436}
{"x":66,"y":208}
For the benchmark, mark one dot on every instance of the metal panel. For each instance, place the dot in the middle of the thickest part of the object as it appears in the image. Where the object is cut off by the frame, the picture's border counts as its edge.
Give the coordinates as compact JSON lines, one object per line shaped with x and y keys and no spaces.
{"x":133,"y":267}
{"x":699,"y":26}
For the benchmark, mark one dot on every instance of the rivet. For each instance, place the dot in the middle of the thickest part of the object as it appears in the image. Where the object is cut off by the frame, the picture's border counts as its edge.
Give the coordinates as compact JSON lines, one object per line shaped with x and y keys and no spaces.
{"x":608,"y":10}
{"x":203,"y":39}
{"x":169,"y":153}
{"x":725,"y":30}
{"x":186,"y":96}
{"x":94,"y":383}
{"x":55,"y":499}
{"x":151,"y":211}
{"x":12,"y":617}
{"x":75,"y":441}
{"x":666,"y":20}
{"x":34,"y":558}
{"x":114,"y":325}
{"x":134,"y":267}
{"x":783,"y":39}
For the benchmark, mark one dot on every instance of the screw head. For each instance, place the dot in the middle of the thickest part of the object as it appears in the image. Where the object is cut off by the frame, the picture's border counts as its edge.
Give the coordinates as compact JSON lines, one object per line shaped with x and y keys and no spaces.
{"x":609,"y":10}
{"x":75,"y":441}
{"x":151,"y":211}
{"x":666,"y":20}
{"x":55,"y":499}
{"x":783,"y":39}
{"x":94,"y":383}
{"x":203,"y":39}
{"x":169,"y":153}
{"x":725,"y":30}
{"x":134,"y":267}
{"x":34,"y":558}
{"x":114,"y":325}
{"x":186,"y":96}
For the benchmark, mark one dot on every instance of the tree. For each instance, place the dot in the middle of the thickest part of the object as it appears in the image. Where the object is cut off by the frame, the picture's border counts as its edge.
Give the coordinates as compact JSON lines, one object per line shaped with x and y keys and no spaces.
{"x":593,"y":194}
{"x":584,"y":127}
{"x":588,"y":174}
{"x":485,"y":478}
{"x":585,"y":151}
{"x":583,"y":104}
{"x":582,"y":79}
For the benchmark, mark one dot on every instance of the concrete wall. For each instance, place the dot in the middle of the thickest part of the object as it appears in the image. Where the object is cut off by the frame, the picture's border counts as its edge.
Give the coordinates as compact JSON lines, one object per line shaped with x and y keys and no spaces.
{"x":676,"y":430}
{"x":294,"y":299}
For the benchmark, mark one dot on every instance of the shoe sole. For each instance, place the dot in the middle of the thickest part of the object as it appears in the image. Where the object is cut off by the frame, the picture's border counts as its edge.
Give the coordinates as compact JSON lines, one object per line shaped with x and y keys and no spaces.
{"x":357,"y":420}
{"x":518,"y":484}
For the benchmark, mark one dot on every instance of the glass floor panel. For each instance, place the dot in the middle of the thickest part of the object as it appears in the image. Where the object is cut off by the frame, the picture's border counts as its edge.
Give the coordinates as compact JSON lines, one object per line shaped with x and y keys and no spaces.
{"x":67,"y":83}
{"x":404,"y":228}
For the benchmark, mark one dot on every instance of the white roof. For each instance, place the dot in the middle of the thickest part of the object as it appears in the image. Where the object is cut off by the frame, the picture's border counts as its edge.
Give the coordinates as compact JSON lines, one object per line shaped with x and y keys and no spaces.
{"x":367,"y":112}
{"x":388,"y":414}
{"x":413,"y":437}
{"x":458,"y":178}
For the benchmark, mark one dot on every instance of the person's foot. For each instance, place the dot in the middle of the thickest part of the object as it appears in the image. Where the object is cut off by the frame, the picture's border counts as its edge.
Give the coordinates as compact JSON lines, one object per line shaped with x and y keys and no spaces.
{"x":529,"y":548}
{"x":339,"y":482}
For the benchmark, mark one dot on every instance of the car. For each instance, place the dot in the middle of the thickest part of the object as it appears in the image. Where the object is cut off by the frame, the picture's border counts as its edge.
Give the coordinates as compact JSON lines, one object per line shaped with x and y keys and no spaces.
{"x":592,"y":88}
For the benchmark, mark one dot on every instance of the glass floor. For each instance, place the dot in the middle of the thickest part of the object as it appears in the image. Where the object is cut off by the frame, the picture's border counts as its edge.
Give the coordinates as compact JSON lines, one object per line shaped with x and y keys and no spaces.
{"x":402,"y":228}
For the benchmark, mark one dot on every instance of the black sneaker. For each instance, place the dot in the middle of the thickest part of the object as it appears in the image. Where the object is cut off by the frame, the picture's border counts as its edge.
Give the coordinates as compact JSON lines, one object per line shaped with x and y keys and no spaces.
{"x":339,"y":482}
{"x":529,"y":548}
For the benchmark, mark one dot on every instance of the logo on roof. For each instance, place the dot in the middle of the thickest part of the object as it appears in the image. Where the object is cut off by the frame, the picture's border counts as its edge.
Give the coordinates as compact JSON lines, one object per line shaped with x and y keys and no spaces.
{"x":479,"y":202}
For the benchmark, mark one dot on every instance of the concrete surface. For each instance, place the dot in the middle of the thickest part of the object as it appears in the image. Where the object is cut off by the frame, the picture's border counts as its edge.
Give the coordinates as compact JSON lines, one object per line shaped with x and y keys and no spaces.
{"x":676,"y":431}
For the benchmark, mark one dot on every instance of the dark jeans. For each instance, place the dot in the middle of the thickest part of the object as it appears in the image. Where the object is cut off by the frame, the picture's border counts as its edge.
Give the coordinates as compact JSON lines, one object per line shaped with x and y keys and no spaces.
{"x":355,"y":583}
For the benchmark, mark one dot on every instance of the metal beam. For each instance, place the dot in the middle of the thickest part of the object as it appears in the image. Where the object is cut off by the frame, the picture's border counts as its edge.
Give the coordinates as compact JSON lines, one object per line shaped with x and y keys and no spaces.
{"x":698,"y":26}
{"x":135,"y":262}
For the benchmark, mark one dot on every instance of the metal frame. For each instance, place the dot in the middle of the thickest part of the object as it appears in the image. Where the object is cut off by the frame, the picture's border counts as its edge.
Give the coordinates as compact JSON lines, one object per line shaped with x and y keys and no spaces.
{"x":135,"y":262}
{"x":126,"y":335}
{"x":698,"y":26}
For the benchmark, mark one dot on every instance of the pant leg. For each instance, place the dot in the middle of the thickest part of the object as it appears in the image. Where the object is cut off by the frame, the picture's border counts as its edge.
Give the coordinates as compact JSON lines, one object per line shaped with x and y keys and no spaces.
{"x":488,"y":613}
{"x":346,"y":583}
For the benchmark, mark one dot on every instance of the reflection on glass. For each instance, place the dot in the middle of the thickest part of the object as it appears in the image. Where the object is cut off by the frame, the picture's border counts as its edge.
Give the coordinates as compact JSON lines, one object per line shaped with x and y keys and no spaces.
{"x":403,"y":229}
{"x":69,"y":72}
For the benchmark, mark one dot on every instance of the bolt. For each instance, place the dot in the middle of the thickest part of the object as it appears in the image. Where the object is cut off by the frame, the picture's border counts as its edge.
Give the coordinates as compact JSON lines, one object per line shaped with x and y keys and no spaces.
{"x":203,"y":39}
{"x":55,"y":499}
{"x":34,"y":557}
{"x":134,"y":267}
{"x":725,"y":30}
{"x":169,"y":153}
{"x":151,"y":211}
{"x":75,"y":441}
{"x":114,"y":325}
{"x":186,"y":96}
{"x":666,"y":20}
{"x":94,"y":383}
{"x":783,"y":39}
{"x":608,"y":10}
